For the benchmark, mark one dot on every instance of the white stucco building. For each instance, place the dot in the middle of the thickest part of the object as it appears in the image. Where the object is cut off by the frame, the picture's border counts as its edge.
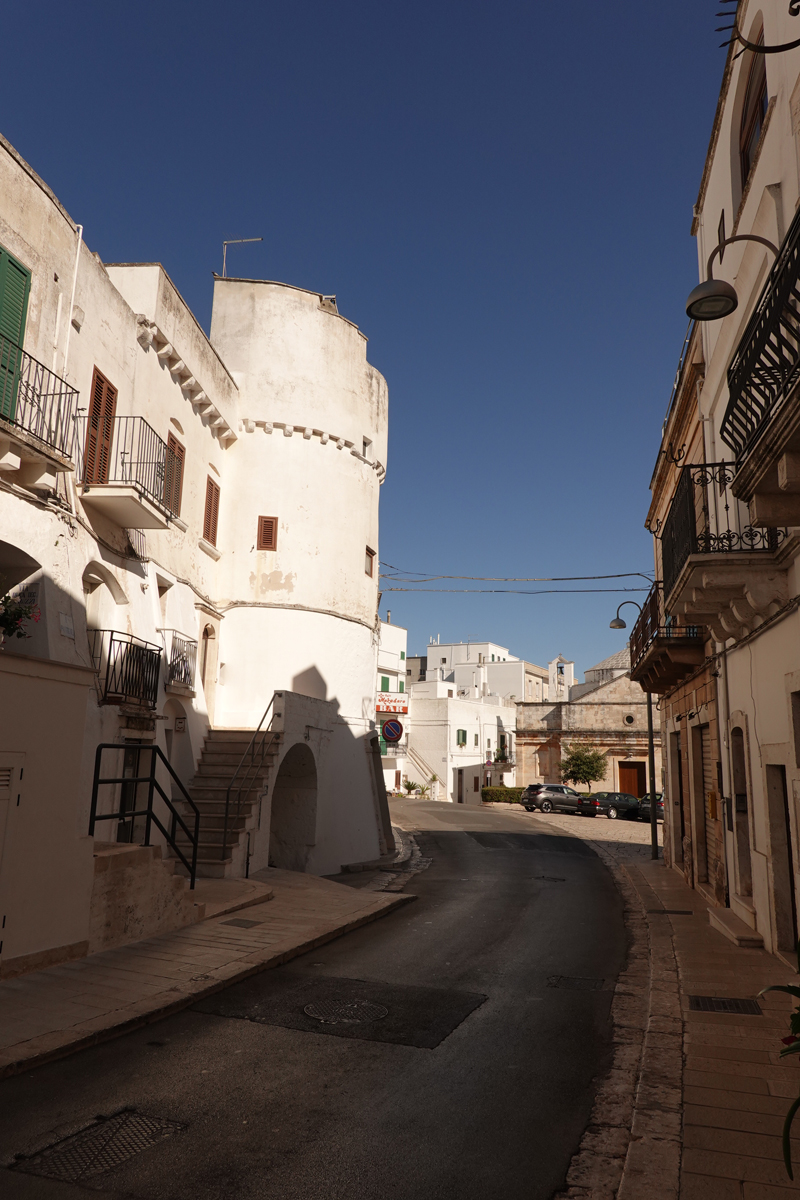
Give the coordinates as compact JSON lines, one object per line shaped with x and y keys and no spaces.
{"x":392,"y":699}
{"x":196,"y":521}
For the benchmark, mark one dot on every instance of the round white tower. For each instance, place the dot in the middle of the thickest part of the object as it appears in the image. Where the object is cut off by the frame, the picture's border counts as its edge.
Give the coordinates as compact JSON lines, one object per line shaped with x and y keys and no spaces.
{"x":298,"y":504}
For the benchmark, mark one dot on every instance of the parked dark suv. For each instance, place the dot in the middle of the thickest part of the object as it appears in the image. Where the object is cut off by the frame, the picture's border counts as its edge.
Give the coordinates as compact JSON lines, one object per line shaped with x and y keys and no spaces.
{"x":548,"y":796}
{"x":644,"y":806}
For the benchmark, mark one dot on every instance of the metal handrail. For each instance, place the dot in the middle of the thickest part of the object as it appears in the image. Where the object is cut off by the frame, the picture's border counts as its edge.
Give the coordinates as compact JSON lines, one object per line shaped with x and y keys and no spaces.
{"x":35,"y":399}
{"x":151,"y":816}
{"x":251,"y":771}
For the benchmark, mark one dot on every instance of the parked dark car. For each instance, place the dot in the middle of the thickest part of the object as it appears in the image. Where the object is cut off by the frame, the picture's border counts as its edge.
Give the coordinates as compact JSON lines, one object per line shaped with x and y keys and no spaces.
{"x":548,"y":796}
{"x":644,"y":807}
{"x":617,"y":805}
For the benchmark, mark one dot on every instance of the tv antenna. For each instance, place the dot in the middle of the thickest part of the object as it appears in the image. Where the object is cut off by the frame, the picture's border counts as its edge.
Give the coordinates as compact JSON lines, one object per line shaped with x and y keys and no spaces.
{"x":234,"y":242}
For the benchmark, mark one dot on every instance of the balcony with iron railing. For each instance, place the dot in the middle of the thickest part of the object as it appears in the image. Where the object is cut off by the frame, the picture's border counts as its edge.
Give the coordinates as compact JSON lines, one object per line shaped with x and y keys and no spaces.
{"x":132,"y":477}
{"x":718,"y":569}
{"x":764,"y":396}
{"x":127,"y":668}
{"x":37,"y":416}
{"x":664,"y":649}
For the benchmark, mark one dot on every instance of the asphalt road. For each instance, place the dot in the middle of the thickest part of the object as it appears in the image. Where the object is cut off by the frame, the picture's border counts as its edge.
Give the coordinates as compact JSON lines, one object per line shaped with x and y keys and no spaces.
{"x":475,"y":1084}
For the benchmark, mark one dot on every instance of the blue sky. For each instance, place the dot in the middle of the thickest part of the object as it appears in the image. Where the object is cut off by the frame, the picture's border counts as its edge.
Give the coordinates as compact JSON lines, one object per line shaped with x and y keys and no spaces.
{"x":500,"y":196}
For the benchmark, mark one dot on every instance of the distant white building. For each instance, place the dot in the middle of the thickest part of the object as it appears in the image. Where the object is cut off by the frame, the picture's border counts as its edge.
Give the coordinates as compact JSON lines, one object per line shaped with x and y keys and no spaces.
{"x":392,"y":699}
{"x":456,"y":742}
{"x":480,"y":669}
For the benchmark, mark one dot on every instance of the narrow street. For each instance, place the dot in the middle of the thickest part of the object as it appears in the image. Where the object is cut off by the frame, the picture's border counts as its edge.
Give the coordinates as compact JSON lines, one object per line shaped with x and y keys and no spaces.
{"x":476,"y":1083}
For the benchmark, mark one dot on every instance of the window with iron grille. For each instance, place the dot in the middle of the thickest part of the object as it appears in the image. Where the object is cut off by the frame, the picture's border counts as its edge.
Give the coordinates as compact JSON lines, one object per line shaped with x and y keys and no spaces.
{"x":267,"y":533}
{"x":99,"y":429}
{"x":173,"y":475}
{"x":211,"y":512}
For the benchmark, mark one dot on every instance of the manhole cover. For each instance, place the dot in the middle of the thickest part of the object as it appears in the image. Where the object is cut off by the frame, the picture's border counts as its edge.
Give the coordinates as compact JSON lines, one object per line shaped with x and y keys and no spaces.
{"x":725,"y":1004}
{"x":105,"y":1144}
{"x":573,"y":984}
{"x":345,"y":1012}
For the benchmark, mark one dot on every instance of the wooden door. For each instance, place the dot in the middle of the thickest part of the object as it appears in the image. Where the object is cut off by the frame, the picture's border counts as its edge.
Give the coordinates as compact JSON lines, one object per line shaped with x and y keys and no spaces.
{"x":633,"y":778}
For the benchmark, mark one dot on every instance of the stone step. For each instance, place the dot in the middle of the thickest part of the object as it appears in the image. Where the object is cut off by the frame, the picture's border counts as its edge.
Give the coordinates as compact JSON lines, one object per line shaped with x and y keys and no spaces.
{"x":228,"y":759}
{"x":213,"y":777}
{"x":209,"y":838}
{"x":216,"y":808}
{"x":202,"y":794}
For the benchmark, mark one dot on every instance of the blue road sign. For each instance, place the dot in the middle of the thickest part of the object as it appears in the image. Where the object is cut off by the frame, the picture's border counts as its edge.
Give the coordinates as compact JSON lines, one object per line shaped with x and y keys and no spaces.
{"x":392,"y":731}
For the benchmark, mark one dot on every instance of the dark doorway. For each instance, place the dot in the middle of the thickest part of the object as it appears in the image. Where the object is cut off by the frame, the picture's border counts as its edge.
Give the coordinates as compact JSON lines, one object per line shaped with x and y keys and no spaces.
{"x":460,"y":787}
{"x":741,"y":820}
{"x":293,"y":819}
{"x":783,"y":880}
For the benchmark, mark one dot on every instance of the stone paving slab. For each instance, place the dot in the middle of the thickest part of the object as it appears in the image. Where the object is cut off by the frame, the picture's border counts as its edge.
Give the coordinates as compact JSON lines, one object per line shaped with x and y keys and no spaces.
{"x":50,"y":1013}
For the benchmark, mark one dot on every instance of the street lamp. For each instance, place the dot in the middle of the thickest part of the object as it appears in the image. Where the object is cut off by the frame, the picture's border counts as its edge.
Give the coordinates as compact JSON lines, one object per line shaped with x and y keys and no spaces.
{"x":618,"y":623}
{"x":714,"y":299}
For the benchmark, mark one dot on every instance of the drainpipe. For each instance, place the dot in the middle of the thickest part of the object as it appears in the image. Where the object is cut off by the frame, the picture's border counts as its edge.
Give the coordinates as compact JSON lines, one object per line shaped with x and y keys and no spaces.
{"x":73,"y":501}
{"x":72,"y":299}
{"x":723,"y":720}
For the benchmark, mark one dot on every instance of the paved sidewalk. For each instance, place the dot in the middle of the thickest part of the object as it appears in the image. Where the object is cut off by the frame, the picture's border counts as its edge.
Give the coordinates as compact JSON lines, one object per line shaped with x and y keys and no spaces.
{"x":694,"y":1104}
{"x":47,"y":1014}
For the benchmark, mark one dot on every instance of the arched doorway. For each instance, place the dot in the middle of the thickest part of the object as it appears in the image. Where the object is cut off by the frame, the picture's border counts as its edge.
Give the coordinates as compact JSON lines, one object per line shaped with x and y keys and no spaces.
{"x":293,"y":821}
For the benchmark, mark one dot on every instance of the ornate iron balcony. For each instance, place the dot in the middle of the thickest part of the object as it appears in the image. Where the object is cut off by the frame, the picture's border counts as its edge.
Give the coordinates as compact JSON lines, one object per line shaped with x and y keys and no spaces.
{"x":766,"y":366}
{"x":664,"y":649}
{"x":128,"y":667}
{"x":35,"y":400}
{"x":137,"y":458}
{"x":706,"y":518}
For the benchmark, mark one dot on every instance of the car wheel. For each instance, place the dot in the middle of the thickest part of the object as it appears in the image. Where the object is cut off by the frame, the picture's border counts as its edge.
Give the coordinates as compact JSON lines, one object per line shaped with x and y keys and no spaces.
{"x":528,"y":808}
{"x":546,"y":806}
{"x":612,"y":813}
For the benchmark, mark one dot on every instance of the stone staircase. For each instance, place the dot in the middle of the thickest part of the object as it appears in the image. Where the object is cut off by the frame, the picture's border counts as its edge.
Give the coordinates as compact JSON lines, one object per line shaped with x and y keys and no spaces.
{"x":222,"y":753}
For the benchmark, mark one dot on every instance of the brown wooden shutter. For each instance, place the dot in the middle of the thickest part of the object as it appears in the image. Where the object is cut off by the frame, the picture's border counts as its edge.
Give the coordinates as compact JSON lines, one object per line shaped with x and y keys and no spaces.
{"x":173,"y":475}
{"x":99,"y":430}
{"x":211,"y":513}
{"x":267,"y":533}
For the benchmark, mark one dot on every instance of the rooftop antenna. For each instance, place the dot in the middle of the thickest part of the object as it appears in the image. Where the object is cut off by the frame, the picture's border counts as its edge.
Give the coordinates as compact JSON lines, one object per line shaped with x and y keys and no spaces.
{"x":234,"y":242}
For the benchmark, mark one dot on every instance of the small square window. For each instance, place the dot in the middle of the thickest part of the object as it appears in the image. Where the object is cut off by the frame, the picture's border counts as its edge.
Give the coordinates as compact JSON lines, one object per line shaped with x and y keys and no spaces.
{"x":476,"y":739}
{"x":369,"y":562}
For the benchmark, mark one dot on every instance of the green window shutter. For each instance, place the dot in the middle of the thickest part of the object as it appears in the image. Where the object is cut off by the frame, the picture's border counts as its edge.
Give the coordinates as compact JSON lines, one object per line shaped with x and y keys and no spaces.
{"x":15,"y":285}
{"x":402,"y":685}
{"x":402,"y":656}
{"x":384,"y":683}
{"x":383,"y":748}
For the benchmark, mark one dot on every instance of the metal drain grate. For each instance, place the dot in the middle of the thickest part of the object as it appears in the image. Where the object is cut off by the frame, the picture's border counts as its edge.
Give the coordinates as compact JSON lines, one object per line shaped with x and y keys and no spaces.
{"x":345,"y":1012}
{"x":106,"y":1144}
{"x":725,"y":1004}
{"x":573,"y":984}
{"x":242,"y":923}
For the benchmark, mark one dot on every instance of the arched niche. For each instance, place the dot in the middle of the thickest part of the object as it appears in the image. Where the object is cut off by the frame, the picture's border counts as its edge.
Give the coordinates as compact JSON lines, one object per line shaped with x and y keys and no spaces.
{"x":293,"y":819}
{"x":103,"y":595}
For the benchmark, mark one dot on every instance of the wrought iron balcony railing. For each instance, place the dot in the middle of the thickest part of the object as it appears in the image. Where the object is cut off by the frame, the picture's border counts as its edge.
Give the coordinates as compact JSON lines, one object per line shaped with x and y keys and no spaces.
{"x":128,"y":667}
{"x":706,"y":518}
{"x":766,"y":366}
{"x":182,"y":660}
{"x":136,"y":457}
{"x":653,"y":623}
{"x":35,"y":400}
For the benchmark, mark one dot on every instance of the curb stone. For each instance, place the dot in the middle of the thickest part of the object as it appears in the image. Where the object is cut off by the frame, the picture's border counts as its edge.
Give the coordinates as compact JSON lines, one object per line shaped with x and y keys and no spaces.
{"x":631,"y":1149}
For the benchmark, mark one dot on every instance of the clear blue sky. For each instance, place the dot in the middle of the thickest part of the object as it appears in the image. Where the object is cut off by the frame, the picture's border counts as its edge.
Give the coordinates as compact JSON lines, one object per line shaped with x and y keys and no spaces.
{"x":500,"y":196}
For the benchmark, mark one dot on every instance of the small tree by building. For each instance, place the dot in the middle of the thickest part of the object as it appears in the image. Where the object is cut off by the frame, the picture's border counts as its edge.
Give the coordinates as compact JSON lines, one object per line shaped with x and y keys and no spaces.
{"x":583,"y":765}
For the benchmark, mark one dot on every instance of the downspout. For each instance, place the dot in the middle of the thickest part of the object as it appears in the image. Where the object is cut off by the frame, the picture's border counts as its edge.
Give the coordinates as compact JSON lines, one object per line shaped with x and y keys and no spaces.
{"x":71,"y":478}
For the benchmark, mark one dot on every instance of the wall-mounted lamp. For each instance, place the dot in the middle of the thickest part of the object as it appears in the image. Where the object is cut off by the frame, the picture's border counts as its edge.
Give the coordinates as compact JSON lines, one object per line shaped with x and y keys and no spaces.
{"x":714,"y":299}
{"x":756,"y":47}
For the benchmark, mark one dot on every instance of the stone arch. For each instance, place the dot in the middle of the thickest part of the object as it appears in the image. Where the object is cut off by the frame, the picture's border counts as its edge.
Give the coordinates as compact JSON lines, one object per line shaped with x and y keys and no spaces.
{"x":293,"y":821}
{"x":15,"y":565}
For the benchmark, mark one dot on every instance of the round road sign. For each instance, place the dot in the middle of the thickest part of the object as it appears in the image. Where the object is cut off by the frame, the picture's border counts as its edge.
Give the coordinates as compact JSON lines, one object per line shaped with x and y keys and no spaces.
{"x":392,"y":731}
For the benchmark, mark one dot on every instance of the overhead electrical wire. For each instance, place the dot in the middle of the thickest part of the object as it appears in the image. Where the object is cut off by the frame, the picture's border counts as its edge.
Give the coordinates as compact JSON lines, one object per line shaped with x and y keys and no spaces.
{"x":401,"y":576}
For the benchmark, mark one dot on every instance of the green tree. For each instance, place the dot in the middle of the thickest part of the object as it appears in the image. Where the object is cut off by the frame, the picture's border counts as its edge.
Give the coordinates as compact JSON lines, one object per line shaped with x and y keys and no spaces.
{"x":583,"y":765}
